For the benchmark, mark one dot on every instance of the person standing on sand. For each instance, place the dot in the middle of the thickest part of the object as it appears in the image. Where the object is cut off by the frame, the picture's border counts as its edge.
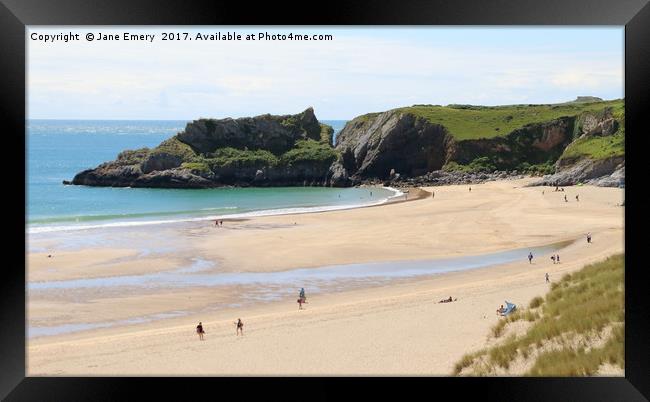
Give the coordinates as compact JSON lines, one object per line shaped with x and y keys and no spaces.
{"x":200,"y":331}
{"x":240,"y":326}
{"x":565,"y":200}
{"x":547,"y":281}
{"x":530,"y":257}
{"x":433,"y":194}
{"x":553,"y":258}
{"x":470,"y":189}
{"x":577,"y":198}
{"x":589,"y":237}
{"x":557,"y":258}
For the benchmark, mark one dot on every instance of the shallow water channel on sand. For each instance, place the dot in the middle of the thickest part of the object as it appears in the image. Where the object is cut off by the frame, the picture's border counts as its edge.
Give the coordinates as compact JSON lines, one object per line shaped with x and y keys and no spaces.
{"x":255,"y":287}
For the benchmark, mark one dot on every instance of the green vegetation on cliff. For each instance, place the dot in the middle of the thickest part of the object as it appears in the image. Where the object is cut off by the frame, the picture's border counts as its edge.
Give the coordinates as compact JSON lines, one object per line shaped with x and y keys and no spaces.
{"x":297,"y":139}
{"x":466,"y":122}
{"x":307,"y":151}
{"x":599,"y":147}
{"x":131,"y":157}
{"x":574,"y":330}
{"x":173,"y":146}
{"x":596,"y":147}
{"x":232,"y":157}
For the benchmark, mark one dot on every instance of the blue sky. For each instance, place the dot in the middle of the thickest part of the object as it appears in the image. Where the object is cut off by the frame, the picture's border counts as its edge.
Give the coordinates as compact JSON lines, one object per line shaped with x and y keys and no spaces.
{"x":361,"y":70}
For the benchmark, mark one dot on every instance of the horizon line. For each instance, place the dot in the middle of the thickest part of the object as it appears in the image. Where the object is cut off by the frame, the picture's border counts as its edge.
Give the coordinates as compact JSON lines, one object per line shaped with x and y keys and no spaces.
{"x":339,"y":119}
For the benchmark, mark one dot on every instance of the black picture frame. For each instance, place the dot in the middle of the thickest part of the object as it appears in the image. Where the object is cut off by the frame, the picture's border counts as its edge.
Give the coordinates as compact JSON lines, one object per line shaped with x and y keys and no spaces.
{"x":16,"y":14}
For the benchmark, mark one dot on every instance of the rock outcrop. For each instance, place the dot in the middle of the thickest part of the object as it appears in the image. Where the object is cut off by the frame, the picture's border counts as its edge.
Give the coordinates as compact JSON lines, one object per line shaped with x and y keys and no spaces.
{"x":413,"y":146}
{"x":391,"y":140}
{"x":609,"y":172}
{"x":265,"y":150}
{"x":426,"y":144}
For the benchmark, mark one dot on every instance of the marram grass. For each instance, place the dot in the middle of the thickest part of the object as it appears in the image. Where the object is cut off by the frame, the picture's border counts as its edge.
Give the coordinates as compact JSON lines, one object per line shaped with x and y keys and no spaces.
{"x":577,"y":308}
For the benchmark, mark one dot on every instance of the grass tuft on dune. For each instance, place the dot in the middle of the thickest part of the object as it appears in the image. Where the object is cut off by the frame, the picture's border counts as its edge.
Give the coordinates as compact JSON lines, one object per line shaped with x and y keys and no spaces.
{"x":577,"y":327}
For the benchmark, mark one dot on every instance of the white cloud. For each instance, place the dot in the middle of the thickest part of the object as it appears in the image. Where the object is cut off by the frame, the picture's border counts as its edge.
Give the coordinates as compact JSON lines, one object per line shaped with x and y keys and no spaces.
{"x":361,"y":70}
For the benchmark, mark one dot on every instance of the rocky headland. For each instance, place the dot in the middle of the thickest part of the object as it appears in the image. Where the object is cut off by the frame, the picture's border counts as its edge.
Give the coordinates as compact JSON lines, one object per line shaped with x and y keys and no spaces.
{"x":569,"y":143}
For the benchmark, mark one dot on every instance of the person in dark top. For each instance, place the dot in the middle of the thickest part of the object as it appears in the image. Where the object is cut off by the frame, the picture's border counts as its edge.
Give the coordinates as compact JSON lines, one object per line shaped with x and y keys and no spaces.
{"x":547,"y":281}
{"x":553,"y":258}
{"x":557,"y":258}
{"x":588,"y":237}
{"x":200,"y":331}
{"x":530,"y":257}
{"x":240,"y":326}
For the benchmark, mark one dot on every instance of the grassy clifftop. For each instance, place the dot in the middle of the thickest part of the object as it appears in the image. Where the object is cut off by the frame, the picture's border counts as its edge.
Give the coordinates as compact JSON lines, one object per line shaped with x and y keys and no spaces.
{"x":599,"y":147}
{"x":466,"y":122}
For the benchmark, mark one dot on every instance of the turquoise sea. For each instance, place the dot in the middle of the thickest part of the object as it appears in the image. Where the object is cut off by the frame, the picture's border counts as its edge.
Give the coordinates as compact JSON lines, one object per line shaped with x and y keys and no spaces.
{"x":58,"y":149}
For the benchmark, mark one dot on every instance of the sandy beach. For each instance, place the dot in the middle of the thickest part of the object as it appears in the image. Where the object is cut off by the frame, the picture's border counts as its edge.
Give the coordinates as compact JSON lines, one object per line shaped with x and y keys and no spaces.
{"x":392,"y":329}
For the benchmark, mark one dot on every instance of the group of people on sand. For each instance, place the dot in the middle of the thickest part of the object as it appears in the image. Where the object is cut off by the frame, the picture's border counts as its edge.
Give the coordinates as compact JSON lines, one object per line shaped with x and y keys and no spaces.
{"x":239,"y":329}
{"x":239,"y":325}
{"x":448,"y":300}
{"x":218,"y":223}
{"x":555,"y":258}
{"x":567,"y":200}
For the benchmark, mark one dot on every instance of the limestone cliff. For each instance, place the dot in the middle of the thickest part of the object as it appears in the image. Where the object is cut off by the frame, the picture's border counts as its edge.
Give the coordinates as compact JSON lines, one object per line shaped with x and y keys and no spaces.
{"x":264,"y":150}
{"x":424,"y":138}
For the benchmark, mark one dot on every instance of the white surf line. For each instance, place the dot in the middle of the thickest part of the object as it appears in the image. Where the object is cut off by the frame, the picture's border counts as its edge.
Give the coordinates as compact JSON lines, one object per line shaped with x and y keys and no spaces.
{"x":268,"y":212}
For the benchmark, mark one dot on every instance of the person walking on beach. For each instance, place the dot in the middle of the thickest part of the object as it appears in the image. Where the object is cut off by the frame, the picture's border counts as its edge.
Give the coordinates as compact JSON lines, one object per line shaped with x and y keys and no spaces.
{"x":557,"y":258}
{"x":200,"y":331}
{"x":553,"y":258}
{"x":547,"y":281}
{"x":577,"y":198}
{"x":433,"y":194}
{"x":530,"y":257}
{"x":240,"y":326}
{"x":565,"y":200}
{"x":470,"y":189}
{"x":589,"y":237}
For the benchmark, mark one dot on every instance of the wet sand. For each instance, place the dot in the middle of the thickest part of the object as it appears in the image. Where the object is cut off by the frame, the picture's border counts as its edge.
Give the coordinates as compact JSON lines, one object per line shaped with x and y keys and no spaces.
{"x":396,"y":328}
